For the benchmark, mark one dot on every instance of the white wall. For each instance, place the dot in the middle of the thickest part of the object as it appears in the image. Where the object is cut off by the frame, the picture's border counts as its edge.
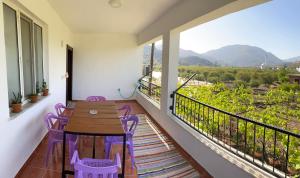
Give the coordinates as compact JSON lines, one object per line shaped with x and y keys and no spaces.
{"x":20,"y":136}
{"x":105,"y":62}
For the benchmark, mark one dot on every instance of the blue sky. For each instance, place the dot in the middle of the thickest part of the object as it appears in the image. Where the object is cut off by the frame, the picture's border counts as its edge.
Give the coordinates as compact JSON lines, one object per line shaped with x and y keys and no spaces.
{"x":273,"y":26}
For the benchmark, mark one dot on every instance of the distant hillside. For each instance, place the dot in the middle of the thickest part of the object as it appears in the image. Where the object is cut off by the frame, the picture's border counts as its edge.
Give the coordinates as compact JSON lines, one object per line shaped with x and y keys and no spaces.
{"x":194,"y":60}
{"x":186,"y":53}
{"x":241,"y":56}
{"x":233,"y":55}
{"x":157,"y":54}
{"x":293,"y":59}
{"x":187,"y":57}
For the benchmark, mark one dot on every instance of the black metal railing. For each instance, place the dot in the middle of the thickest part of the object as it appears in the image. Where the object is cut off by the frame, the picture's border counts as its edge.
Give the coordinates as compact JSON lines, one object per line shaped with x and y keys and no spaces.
{"x":150,"y":89}
{"x":273,"y":149}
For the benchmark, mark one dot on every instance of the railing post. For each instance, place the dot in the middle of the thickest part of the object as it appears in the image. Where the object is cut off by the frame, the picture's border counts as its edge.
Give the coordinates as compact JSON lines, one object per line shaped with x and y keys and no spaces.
{"x":151,"y":69}
{"x":172,"y":107}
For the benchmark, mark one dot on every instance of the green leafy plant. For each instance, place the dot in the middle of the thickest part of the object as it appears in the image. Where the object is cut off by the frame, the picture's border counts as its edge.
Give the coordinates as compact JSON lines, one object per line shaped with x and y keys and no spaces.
{"x":44,"y":85}
{"x":17,"y":98}
{"x":37,"y":90}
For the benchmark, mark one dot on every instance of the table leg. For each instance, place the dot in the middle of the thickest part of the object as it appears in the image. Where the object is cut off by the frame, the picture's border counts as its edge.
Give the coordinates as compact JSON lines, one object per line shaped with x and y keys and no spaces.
{"x":124,"y":154}
{"x":63,"y":175}
{"x":94,"y":146}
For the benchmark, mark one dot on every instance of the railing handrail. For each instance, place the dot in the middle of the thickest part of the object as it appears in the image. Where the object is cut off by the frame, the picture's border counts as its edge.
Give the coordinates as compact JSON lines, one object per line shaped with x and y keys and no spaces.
{"x":144,"y":75}
{"x":243,"y":118}
{"x":151,"y":83}
{"x":185,"y":82}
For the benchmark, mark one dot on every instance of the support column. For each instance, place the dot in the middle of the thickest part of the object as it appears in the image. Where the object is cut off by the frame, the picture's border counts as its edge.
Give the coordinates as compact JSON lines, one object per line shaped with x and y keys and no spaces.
{"x":151,"y":69}
{"x":4,"y":108}
{"x":170,"y":59}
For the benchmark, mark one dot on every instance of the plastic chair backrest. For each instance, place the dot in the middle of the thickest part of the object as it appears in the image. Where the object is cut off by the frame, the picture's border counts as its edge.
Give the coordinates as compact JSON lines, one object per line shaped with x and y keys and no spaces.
{"x":59,"y":108}
{"x":83,"y":170}
{"x":96,"y":98}
{"x":127,"y":110}
{"x":130,"y":124}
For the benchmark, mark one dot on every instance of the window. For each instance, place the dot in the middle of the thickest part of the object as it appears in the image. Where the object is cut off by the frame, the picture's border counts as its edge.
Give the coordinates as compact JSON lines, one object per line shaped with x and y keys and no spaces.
{"x":152,"y":62}
{"x":24,"y":53}
{"x":27,"y":59}
{"x":12,"y":55}
{"x":38,"y":46}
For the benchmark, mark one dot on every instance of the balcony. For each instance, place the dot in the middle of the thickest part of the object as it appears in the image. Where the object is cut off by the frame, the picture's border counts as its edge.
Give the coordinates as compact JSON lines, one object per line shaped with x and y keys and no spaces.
{"x":99,"y":52}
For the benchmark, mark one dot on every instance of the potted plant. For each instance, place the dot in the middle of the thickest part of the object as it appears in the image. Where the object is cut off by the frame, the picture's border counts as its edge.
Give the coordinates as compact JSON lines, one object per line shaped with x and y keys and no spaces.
{"x":258,"y":153}
{"x":274,"y":161}
{"x":34,"y":96}
{"x":17,"y":103}
{"x":45,"y":88}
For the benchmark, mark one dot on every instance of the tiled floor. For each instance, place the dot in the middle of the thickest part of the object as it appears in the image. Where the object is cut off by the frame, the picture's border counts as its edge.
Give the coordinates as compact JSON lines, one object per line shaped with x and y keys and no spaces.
{"x":35,"y":166}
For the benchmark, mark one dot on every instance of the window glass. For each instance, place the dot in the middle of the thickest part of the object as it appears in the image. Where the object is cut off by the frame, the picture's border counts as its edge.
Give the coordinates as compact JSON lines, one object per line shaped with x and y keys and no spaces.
{"x":38,"y":48}
{"x":27,"y":57}
{"x":11,"y":47}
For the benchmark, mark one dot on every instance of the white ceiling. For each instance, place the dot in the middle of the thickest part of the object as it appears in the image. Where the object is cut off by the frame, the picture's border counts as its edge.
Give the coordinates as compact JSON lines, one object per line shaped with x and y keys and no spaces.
{"x":96,"y":16}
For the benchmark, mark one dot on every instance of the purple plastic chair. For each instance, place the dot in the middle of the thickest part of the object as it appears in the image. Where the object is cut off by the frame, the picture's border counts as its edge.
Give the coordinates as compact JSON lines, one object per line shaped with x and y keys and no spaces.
{"x":55,"y":136}
{"x":95,"y":168}
{"x":60,"y":108}
{"x":129,"y":124}
{"x":96,"y":98}
{"x":126,"y":109}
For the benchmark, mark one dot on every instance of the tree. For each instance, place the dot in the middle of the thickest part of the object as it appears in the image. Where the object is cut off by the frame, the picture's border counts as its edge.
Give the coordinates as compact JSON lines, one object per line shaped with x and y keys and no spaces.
{"x":205,"y":74}
{"x":255,"y":83}
{"x":282,"y":75}
{"x":227,"y":77}
{"x":268,"y":78}
{"x":244,"y":77}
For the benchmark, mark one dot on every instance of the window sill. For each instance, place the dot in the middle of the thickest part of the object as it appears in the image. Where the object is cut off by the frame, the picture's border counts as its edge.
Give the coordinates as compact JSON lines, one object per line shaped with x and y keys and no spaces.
{"x":27,"y":105}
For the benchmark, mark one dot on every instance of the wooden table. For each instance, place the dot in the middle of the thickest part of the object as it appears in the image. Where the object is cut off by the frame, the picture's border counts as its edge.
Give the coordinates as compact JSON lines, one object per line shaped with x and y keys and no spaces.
{"x":105,"y":123}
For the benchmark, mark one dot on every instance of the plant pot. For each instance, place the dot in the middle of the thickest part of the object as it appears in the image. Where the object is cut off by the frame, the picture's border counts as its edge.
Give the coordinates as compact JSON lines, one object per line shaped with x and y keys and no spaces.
{"x":16,"y":108}
{"x":45,"y":92}
{"x":272,"y":161}
{"x":33,"y":98}
{"x":258,"y":155}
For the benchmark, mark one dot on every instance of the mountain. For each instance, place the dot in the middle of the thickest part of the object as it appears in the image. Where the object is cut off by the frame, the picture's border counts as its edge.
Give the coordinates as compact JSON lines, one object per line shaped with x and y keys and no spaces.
{"x":186,"y":53}
{"x":241,"y":56}
{"x":157,"y":54}
{"x":233,"y":55}
{"x":186,"y":58}
{"x":194,"y":60}
{"x":293,"y":59}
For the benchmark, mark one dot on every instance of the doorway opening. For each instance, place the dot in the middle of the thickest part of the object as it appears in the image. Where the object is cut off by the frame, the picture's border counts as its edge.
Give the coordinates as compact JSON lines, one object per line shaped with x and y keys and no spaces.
{"x":69,"y":70}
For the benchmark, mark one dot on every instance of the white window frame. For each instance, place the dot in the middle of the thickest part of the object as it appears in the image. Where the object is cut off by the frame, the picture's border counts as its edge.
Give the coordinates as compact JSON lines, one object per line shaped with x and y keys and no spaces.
{"x":23,"y":14}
